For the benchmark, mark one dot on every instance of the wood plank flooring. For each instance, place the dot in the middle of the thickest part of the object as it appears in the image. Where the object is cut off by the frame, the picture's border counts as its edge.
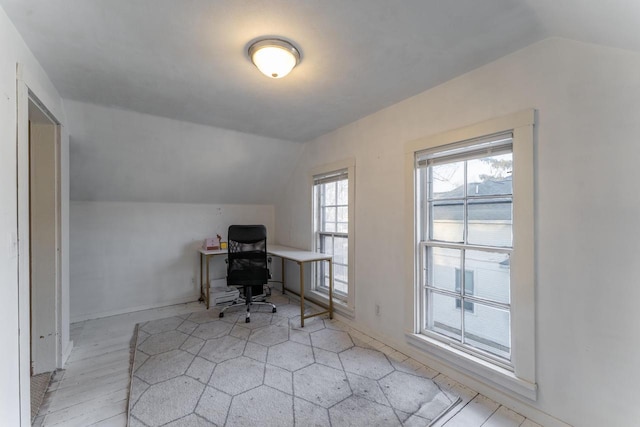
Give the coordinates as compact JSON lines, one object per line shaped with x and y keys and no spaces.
{"x":93,"y":388}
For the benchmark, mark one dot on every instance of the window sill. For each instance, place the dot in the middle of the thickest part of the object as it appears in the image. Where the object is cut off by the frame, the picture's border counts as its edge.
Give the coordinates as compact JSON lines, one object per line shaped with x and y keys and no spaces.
{"x":339,"y":306}
{"x":473,"y":366}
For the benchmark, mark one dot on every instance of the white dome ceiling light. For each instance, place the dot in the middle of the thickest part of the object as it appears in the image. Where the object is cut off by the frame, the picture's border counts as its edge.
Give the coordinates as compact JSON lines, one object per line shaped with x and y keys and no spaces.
{"x":275,"y":58}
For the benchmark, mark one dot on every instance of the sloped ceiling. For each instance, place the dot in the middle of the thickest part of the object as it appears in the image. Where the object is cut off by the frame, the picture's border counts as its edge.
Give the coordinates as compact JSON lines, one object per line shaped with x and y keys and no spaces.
{"x":187,"y":60}
{"x":124,"y":156}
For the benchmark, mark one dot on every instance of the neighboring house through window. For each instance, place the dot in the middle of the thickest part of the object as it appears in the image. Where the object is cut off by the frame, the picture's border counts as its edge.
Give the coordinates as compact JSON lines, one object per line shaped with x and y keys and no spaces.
{"x":468,"y":289}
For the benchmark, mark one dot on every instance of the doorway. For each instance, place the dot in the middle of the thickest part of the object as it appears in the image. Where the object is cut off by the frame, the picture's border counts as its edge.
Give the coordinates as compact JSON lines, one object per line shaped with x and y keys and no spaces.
{"x":39,"y":242}
{"x":44,"y":238}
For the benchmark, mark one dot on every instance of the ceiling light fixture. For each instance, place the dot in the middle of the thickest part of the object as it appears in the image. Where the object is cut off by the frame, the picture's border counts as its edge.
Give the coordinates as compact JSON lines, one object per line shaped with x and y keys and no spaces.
{"x":274,"y":58}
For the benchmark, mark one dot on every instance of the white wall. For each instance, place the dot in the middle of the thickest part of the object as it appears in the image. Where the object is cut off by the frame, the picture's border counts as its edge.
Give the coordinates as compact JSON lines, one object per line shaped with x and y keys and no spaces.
{"x":13,"y":50}
{"x":146,"y":190}
{"x":128,"y":255}
{"x":121,"y":155}
{"x":587,"y":206}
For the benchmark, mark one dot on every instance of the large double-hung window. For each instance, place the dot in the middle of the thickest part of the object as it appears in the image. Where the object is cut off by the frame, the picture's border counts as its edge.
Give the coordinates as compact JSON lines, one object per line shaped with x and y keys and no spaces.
{"x":466,"y":204}
{"x":473,"y":249}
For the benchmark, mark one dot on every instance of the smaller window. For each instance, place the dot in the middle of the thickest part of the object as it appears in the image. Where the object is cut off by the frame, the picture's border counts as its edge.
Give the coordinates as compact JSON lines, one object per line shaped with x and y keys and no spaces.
{"x":333,"y":225}
{"x":331,"y":195}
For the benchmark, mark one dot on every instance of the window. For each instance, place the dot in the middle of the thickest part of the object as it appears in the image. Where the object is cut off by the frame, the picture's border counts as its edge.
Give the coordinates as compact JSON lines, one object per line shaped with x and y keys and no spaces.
{"x":465,"y":198}
{"x":333,"y":222}
{"x":473,"y":246}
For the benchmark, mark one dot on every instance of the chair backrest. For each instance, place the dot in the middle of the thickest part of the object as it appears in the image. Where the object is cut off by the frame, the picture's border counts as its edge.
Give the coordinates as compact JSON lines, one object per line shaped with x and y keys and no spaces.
{"x":247,"y":255}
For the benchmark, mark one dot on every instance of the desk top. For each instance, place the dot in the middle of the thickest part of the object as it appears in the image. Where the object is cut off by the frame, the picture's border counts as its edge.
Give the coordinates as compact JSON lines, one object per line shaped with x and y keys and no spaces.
{"x":212,"y":252}
{"x":293,"y":254}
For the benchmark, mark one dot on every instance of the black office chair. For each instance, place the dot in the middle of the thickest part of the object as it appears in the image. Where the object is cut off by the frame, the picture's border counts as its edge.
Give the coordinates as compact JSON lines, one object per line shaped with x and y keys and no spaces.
{"x":247,"y":266}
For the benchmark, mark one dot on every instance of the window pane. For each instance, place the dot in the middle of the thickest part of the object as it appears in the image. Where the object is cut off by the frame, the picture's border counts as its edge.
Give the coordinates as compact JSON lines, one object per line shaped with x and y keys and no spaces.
{"x":343,"y":192}
{"x":490,"y":175}
{"x":491,"y":275}
{"x":329,"y":219}
{"x":340,"y":278}
{"x":343,"y":214}
{"x":326,"y":244}
{"x":322,"y":188}
{"x":490,"y":222}
{"x":341,"y":250}
{"x":441,"y":267}
{"x":340,"y":273}
{"x":329,"y":214}
{"x":444,"y":316}
{"x":339,"y":287}
{"x":447,"y":221}
{"x":447,"y":180}
{"x":329,"y":193}
{"x":488,"y":329}
{"x":468,"y":288}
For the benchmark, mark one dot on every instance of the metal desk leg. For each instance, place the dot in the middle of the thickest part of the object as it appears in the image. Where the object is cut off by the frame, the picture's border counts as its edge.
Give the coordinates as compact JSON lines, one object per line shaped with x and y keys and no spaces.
{"x":301,"y":265}
{"x":208,"y":280}
{"x":282,"y":260}
{"x":330,"y":289}
{"x":201,"y":299}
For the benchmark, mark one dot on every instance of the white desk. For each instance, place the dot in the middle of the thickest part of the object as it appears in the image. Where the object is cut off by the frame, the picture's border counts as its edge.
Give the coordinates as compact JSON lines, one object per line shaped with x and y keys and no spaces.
{"x":207,"y":255}
{"x":301,"y":257}
{"x":296,"y":255}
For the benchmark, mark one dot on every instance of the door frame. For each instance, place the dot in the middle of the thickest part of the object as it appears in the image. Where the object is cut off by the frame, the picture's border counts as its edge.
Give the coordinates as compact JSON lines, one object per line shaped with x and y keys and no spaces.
{"x":24,"y":95}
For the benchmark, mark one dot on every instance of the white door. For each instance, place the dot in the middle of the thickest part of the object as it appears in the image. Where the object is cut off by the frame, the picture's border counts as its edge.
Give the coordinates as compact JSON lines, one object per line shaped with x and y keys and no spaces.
{"x":44,"y":245}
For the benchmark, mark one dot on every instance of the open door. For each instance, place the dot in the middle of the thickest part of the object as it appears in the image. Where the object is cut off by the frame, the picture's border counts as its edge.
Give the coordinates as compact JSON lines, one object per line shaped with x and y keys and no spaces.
{"x":44,"y":235}
{"x":41,"y":302}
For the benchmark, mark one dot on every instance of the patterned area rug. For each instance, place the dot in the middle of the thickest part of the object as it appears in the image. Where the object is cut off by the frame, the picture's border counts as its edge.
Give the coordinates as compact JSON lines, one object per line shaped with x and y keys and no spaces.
{"x":39,"y":385}
{"x":200,"y":370}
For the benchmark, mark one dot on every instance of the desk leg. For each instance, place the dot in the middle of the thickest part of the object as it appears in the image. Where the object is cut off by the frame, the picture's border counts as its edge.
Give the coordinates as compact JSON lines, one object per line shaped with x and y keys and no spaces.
{"x":208,"y":280}
{"x":201,"y":299}
{"x":282,"y":274}
{"x":301,"y":265}
{"x":330,"y":289}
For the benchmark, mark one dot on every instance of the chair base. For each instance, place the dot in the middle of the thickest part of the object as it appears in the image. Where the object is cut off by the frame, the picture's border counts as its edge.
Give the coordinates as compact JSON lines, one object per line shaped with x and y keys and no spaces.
{"x":248,"y":306}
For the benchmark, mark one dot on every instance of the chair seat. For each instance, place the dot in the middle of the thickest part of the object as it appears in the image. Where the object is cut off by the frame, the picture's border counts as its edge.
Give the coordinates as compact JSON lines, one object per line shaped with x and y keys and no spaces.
{"x":252,"y":277}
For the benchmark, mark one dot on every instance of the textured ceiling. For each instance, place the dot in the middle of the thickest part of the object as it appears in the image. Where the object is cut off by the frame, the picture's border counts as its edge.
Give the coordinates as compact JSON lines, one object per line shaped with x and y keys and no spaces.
{"x":187,"y":59}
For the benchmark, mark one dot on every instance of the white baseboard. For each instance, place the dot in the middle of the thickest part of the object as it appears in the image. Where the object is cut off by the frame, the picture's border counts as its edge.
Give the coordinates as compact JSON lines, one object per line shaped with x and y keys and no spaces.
{"x":108,"y":313}
{"x":67,"y":353}
{"x":498,"y":396}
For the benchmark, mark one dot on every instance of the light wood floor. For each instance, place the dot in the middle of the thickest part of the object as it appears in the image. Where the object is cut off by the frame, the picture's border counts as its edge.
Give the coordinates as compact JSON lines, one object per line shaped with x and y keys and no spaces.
{"x":93,"y":388}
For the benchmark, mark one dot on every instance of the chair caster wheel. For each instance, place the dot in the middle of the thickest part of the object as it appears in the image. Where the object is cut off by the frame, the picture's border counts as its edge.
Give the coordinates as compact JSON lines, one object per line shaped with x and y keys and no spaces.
{"x":247,"y":320}
{"x":221,"y":315}
{"x":274,"y":310}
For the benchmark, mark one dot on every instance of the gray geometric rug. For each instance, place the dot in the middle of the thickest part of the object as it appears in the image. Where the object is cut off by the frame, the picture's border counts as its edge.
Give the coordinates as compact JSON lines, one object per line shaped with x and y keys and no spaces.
{"x":200,"y":370}
{"x":39,"y":385}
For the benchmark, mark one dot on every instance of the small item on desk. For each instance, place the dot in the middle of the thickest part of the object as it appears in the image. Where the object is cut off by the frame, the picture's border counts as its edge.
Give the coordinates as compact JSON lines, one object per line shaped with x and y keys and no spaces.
{"x":211,"y":244}
{"x":223,"y":245}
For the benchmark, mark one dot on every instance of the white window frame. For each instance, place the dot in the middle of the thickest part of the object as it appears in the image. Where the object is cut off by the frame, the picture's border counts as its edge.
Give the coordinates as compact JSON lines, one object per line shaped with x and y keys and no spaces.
{"x":343,"y":303}
{"x":460,"y":151}
{"x":521,"y":378}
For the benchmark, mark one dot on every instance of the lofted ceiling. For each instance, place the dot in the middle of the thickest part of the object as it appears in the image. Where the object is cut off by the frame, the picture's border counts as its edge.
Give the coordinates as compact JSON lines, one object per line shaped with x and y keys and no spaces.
{"x":187,"y":60}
